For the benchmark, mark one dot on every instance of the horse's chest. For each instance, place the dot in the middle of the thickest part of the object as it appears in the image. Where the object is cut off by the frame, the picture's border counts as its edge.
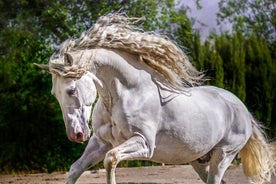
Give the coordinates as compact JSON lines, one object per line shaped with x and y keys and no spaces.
{"x":116,"y":130}
{"x":129,"y":115}
{"x":120,"y":132}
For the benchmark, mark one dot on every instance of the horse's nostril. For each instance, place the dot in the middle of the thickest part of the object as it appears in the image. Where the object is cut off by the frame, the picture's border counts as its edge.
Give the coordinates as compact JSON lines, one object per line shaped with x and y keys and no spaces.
{"x":79,"y":136}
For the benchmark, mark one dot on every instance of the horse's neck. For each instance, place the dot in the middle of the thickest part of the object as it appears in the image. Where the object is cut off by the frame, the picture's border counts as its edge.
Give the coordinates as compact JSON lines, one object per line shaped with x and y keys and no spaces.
{"x":115,"y":73}
{"x":110,"y":65}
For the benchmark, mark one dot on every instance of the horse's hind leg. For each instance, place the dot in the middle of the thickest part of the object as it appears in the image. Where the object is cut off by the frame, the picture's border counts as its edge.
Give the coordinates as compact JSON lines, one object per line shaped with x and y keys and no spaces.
{"x":220,"y":161}
{"x":133,"y":148}
{"x":201,"y":169}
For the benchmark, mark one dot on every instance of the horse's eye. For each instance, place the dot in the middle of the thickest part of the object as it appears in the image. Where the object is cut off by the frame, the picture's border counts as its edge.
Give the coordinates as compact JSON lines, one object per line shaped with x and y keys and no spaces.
{"x":71,"y":92}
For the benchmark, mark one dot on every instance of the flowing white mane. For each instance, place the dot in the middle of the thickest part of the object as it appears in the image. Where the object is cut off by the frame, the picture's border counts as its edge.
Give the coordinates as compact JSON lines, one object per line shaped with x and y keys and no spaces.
{"x":116,"y":31}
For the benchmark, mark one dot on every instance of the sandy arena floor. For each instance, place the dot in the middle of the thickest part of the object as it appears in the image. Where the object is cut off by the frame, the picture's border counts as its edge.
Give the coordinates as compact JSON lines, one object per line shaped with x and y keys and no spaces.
{"x":145,"y":175}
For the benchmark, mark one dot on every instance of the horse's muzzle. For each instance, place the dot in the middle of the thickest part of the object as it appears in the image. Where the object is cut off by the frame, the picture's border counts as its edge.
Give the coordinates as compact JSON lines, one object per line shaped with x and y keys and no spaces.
{"x":78,"y":137}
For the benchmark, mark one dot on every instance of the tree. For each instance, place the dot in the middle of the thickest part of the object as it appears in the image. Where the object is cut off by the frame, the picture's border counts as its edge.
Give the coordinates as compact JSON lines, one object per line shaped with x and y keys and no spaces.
{"x":250,"y":16}
{"x":261,"y":81}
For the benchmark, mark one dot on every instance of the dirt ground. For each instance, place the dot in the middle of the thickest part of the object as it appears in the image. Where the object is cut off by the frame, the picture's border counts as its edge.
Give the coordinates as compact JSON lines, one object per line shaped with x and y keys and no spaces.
{"x":145,"y":175}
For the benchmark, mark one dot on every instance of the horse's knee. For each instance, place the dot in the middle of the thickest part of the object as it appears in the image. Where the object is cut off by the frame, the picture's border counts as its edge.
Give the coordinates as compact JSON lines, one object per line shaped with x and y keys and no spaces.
{"x":111,"y":159}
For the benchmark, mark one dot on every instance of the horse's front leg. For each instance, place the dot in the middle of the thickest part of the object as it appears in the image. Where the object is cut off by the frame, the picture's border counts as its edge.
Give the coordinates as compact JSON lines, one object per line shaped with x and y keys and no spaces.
{"x":132,"y":149}
{"x":93,"y":153}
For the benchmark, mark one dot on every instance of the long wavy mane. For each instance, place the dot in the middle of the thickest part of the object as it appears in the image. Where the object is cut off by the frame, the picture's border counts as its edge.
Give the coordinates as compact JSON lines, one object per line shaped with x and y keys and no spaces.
{"x":165,"y":58}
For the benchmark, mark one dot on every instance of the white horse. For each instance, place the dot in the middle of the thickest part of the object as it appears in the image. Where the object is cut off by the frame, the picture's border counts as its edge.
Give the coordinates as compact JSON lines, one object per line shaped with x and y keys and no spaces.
{"x":151,"y":106}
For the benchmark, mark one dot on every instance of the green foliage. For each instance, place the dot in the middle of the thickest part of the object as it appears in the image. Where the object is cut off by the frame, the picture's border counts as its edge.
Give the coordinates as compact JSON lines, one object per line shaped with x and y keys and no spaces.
{"x":33,"y":135}
{"x":250,"y":16}
{"x":261,"y":79}
{"x":231,"y":51}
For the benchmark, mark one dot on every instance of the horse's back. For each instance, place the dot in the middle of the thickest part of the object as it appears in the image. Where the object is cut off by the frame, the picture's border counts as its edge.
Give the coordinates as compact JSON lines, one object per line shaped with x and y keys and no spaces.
{"x":205,"y":105}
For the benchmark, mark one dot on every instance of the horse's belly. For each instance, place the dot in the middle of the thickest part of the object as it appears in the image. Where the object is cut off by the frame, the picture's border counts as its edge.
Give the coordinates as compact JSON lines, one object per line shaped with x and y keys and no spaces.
{"x":173,"y":150}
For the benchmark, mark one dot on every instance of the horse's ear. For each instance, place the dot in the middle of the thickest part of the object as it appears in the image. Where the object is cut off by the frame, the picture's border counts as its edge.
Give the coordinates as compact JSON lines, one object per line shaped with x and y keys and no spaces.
{"x":68,"y":59}
{"x":43,"y":67}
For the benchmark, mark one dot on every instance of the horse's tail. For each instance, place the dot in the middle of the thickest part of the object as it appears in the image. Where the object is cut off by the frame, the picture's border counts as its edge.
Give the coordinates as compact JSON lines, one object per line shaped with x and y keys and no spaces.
{"x":257,"y":156}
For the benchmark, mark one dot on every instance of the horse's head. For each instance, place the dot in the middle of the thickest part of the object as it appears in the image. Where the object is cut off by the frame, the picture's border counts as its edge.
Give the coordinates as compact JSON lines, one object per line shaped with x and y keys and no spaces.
{"x":75,"y":96}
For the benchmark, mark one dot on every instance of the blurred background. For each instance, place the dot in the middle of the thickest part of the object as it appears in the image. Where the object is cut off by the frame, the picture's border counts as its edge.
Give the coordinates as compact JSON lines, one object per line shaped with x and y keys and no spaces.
{"x":233,"y":41}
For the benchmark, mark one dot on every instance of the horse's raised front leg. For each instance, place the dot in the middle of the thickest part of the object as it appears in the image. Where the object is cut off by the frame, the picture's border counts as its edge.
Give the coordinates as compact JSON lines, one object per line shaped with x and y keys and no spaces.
{"x":93,"y":153}
{"x":133,"y":148}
